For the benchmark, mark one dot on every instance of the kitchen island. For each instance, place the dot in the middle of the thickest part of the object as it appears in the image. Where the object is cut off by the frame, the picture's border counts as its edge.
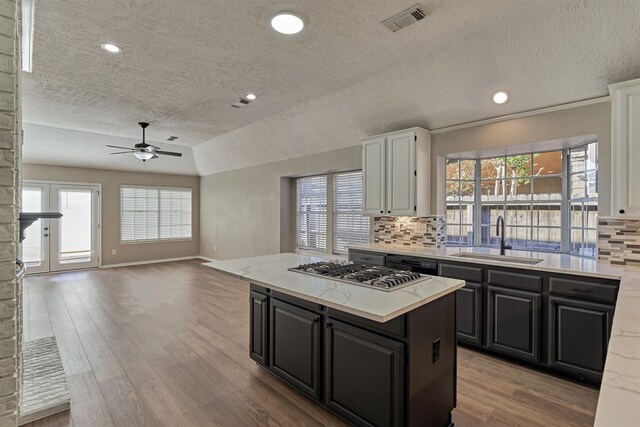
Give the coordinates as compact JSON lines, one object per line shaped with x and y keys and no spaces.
{"x":371,"y":356}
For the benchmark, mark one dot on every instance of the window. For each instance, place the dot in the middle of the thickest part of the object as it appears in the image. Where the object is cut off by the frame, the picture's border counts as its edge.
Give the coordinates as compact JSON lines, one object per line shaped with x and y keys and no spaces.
{"x":536,"y":193}
{"x":312,"y":213}
{"x":583,"y":199}
{"x":154,"y":213}
{"x":349,"y":225}
{"x":330,"y":203}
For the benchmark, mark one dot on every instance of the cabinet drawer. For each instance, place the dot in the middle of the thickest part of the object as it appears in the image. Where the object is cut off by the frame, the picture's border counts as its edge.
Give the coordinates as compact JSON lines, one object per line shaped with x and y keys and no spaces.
{"x":453,"y":271}
{"x":394,"y":328}
{"x":367,"y":258}
{"x":584,"y":290}
{"x":297,"y":301}
{"x":508,"y":279}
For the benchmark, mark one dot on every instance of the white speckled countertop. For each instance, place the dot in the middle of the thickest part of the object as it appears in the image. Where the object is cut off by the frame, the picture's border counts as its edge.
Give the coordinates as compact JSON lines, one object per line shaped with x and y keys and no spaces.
{"x":271,"y":271}
{"x":619,"y":400}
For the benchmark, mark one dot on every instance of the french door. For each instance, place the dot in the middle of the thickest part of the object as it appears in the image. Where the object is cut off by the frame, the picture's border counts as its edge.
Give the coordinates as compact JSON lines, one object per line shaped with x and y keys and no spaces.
{"x":68,"y":243}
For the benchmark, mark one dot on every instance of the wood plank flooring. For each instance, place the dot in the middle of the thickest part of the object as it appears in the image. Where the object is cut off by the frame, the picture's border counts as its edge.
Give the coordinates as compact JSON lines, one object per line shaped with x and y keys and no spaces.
{"x":166,"y":345}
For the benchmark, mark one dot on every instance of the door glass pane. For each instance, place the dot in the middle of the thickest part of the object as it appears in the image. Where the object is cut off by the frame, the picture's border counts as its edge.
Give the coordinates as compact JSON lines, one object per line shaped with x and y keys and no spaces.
{"x":75,"y":225}
{"x":32,"y":244}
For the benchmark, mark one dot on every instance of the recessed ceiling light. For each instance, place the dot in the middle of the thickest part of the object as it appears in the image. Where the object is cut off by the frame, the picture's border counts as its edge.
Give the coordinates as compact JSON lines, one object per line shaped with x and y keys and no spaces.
{"x":251,"y":96}
{"x":287,"y":23}
{"x":110,"y":47}
{"x":501,"y":97}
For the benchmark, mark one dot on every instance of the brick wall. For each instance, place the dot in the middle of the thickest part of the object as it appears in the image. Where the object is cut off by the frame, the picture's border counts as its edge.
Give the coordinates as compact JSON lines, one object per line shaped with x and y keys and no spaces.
{"x":10,"y":148}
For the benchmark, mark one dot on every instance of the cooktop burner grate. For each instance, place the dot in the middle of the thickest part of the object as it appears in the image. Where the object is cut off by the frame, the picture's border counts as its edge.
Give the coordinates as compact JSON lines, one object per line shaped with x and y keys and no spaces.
{"x":383,"y":278}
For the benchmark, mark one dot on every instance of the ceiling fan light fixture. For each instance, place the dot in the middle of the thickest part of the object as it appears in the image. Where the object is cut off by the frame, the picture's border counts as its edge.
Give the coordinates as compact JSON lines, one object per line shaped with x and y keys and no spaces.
{"x":143,"y":155}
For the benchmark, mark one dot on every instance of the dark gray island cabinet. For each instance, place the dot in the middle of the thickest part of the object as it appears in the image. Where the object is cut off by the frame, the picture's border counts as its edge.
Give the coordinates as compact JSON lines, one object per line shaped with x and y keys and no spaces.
{"x":398,"y":373}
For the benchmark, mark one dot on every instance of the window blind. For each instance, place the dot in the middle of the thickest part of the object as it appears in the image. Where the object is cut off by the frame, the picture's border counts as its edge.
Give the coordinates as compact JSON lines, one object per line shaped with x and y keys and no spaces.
{"x":349,"y":225}
{"x":154,"y":213}
{"x":311,"y":213}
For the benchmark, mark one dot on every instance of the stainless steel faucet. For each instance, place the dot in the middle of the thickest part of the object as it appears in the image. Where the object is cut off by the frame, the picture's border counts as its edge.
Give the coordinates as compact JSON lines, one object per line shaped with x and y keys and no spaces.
{"x":500,"y":233}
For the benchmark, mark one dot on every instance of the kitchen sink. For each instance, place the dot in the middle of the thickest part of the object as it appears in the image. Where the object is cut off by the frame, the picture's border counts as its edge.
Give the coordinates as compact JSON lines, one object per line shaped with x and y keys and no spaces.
{"x":502,"y":258}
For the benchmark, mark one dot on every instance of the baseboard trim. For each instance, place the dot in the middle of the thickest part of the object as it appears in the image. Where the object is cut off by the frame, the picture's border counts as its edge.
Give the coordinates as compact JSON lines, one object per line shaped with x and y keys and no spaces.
{"x":207,"y":258}
{"x":151,"y":261}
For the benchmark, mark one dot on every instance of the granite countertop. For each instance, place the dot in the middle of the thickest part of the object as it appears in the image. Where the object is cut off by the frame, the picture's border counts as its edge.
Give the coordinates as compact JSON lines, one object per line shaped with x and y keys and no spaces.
{"x":374,"y":304}
{"x":619,"y":400}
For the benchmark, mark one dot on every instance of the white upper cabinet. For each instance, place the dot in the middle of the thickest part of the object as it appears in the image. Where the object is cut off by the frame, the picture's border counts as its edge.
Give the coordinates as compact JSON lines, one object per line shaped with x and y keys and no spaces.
{"x":373,"y":176}
{"x":625,"y":144}
{"x":401,"y":166}
{"x":396,"y":173}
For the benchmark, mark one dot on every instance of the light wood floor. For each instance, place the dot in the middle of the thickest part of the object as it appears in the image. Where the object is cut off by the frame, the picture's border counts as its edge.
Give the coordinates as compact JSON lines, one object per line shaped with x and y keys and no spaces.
{"x":166,"y":344}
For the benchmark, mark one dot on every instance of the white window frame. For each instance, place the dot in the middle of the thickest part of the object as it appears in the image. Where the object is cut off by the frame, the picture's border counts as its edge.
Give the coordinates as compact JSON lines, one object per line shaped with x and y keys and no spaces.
{"x":330,"y":215}
{"x":565,"y":202}
{"x":159,"y":239}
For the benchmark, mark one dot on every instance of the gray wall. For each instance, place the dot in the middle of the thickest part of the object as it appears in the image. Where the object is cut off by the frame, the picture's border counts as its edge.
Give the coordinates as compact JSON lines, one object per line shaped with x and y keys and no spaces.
{"x":111,"y":181}
{"x":242,"y":210}
{"x":249,"y":211}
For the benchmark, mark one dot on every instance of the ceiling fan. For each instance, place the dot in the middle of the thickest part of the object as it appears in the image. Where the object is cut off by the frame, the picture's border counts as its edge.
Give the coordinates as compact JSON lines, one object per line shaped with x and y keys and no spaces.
{"x":145,"y":151}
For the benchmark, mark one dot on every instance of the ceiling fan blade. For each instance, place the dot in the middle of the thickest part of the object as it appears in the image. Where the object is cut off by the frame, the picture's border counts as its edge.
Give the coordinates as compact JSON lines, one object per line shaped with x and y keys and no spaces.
{"x":169,"y":153}
{"x":124,"y":148}
{"x":154,"y":157}
{"x":122,"y":152}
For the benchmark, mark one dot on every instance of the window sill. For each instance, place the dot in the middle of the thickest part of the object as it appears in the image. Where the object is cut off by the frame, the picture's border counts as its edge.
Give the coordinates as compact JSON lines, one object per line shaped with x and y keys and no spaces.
{"x":146,"y":242}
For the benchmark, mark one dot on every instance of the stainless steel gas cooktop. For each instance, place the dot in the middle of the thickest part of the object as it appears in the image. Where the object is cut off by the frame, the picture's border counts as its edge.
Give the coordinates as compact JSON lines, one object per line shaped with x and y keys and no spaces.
{"x":383,"y":278}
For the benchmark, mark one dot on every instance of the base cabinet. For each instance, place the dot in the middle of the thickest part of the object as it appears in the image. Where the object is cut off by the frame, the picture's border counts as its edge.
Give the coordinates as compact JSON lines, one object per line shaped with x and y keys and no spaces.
{"x":295,"y":346}
{"x":398,"y":373}
{"x":363,"y":375}
{"x":578,"y":336}
{"x":259,"y":320}
{"x":469,"y":313}
{"x":513,"y":322}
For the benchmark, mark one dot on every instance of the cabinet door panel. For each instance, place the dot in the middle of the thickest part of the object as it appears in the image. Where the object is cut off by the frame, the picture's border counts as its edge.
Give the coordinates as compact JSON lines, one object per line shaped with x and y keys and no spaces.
{"x":513,"y":323}
{"x":295,"y":346}
{"x":469,"y":313}
{"x":401,"y":179}
{"x":579,"y":336}
{"x":259,"y":321}
{"x":626,"y":150}
{"x":364,"y":376}
{"x":373,"y":176}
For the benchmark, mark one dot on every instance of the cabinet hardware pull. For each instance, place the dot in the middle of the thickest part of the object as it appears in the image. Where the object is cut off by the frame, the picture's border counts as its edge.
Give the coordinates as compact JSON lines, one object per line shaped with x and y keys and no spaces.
{"x":585,"y":290}
{"x":621,"y":211}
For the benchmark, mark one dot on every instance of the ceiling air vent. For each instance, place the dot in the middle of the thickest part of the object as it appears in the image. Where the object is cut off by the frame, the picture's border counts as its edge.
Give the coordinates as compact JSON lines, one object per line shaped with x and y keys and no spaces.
{"x":172,"y":138}
{"x":241,"y":103}
{"x":406,"y":18}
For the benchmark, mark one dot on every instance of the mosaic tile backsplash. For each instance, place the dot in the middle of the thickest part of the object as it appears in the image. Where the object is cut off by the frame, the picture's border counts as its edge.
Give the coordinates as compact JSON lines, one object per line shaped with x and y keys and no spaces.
{"x":410,"y":231}
{"x":619,"y":241}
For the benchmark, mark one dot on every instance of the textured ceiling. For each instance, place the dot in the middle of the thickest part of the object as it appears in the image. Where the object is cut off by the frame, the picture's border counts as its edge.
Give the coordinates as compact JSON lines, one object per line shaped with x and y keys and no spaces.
{"x":345,"y":76}
{"x":63,"y":147}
